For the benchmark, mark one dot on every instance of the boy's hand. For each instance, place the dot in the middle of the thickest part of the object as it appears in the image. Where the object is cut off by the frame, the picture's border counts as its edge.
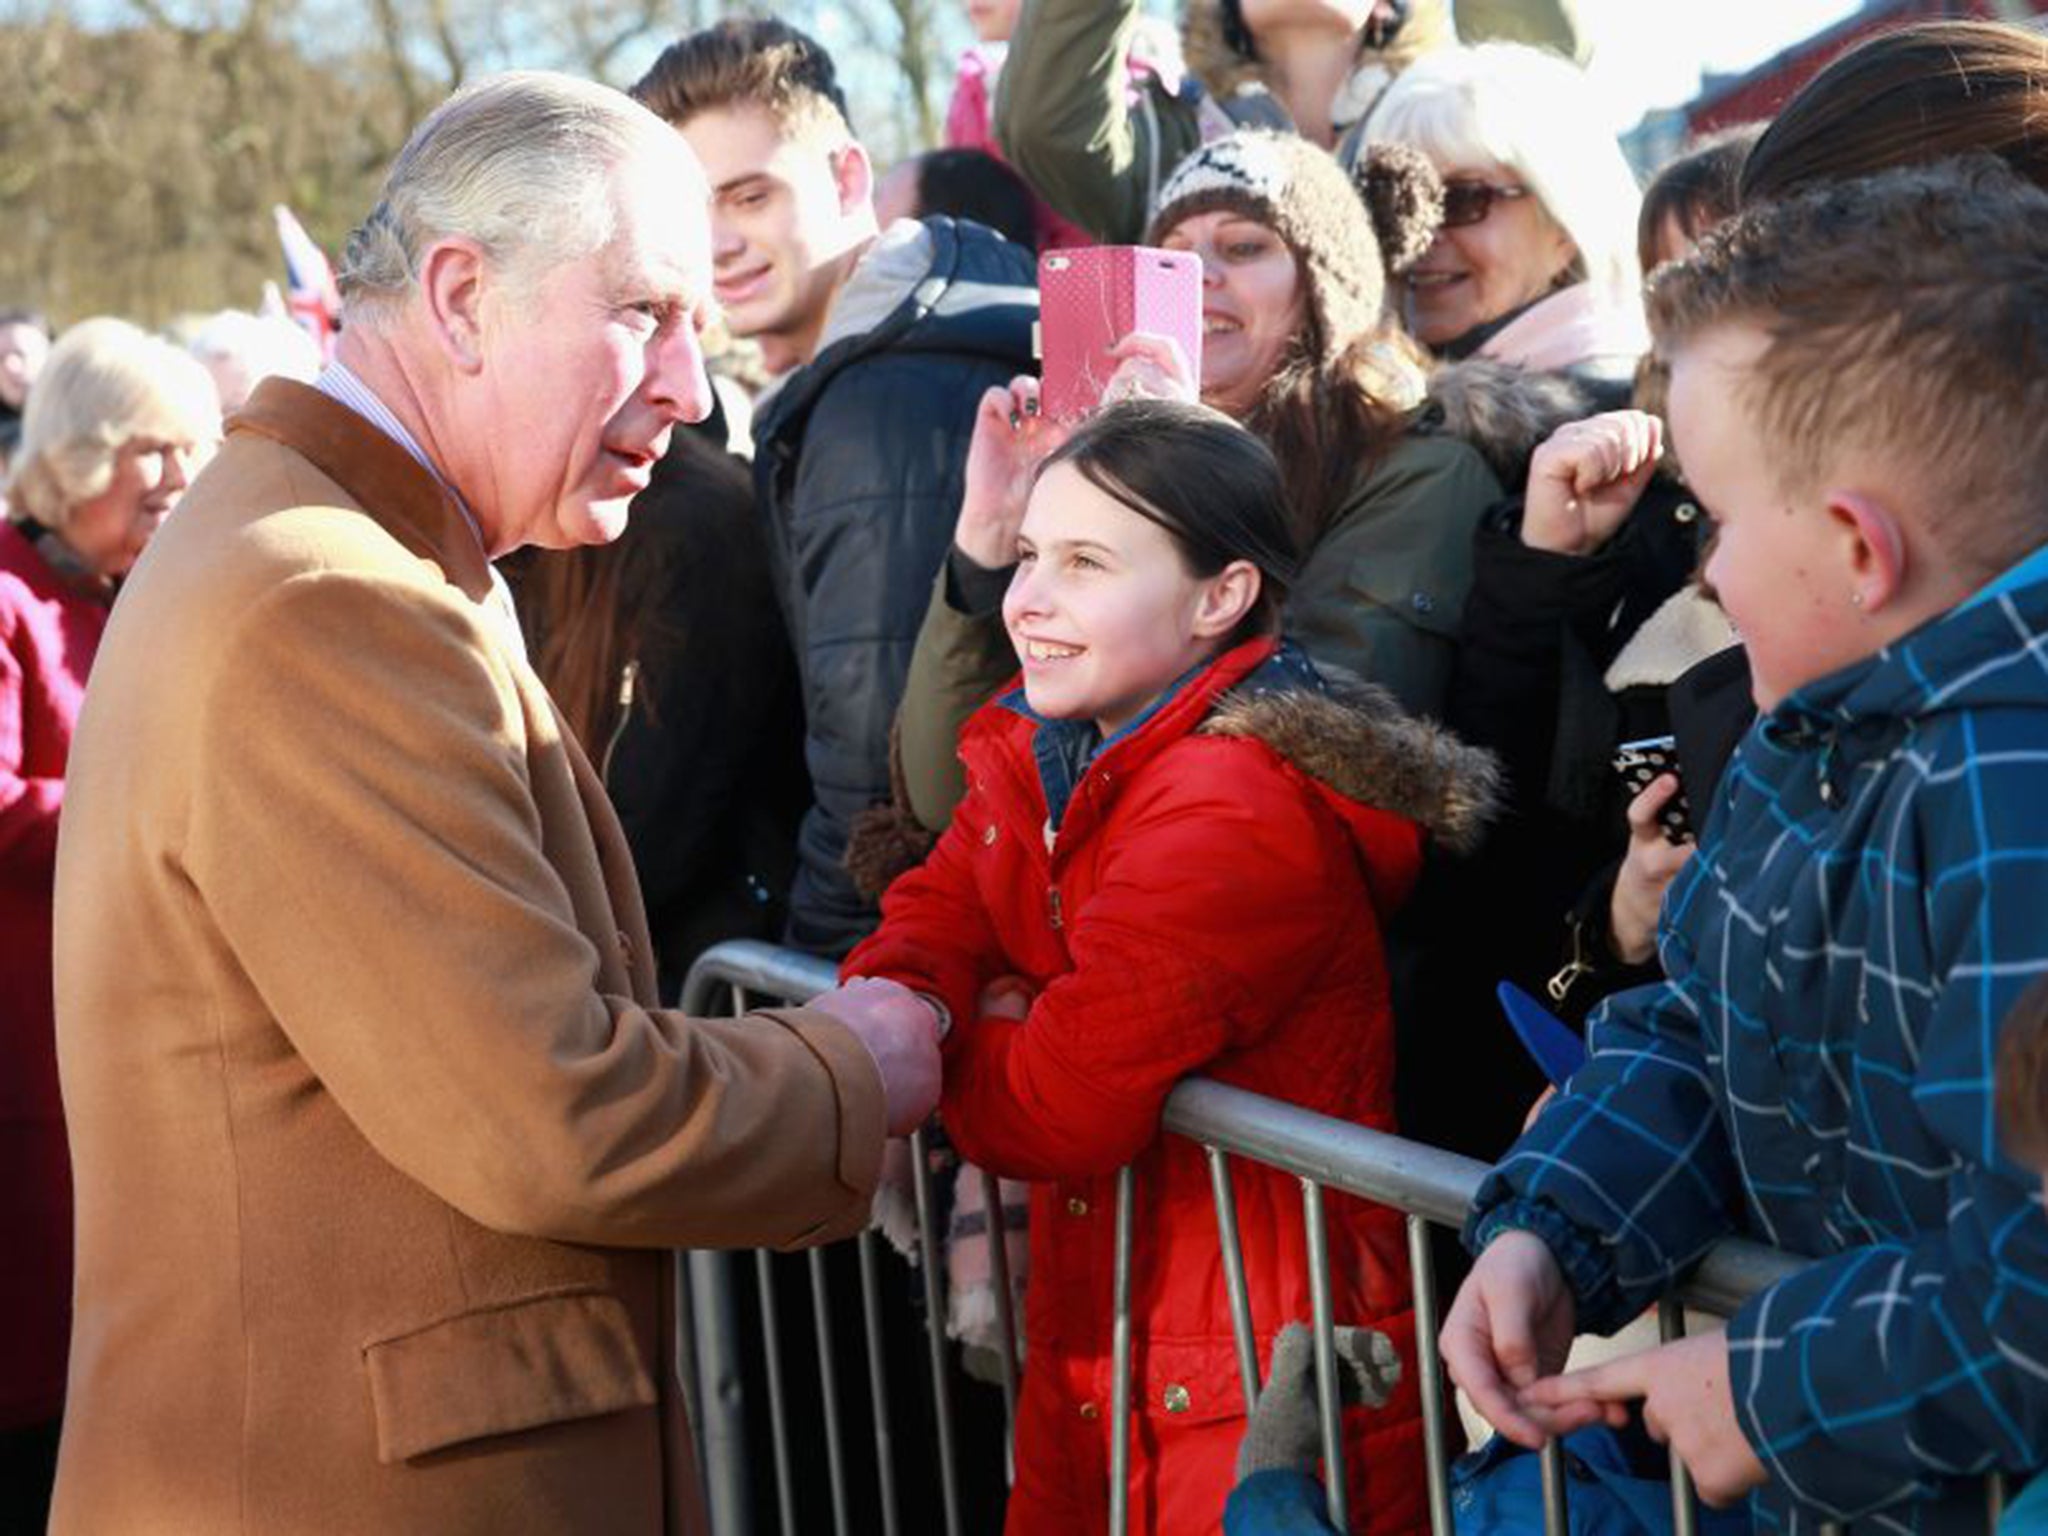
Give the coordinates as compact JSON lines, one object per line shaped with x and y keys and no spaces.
{"x":1010,"y":438}
{"x":1586,"y":478}
{"x":1686,"y":1405}
{"x":1647,"y":870}
{"x":1511,"y":1324}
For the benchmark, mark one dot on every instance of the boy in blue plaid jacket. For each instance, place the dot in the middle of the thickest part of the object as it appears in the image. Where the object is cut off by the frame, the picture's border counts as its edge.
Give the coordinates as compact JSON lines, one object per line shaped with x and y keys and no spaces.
{"x":1859,"y":394}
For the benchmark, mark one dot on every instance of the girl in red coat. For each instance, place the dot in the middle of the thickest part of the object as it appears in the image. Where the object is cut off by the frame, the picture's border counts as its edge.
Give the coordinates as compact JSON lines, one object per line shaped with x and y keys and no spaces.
{"x":1178,"y":844}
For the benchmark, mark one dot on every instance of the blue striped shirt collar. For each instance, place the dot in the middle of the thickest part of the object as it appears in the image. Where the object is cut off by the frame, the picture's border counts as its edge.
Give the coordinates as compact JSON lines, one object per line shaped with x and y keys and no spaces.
{"x":339,"y":382}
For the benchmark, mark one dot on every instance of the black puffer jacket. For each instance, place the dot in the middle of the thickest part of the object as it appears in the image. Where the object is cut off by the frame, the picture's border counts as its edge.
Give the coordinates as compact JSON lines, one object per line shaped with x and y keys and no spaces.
{"x":858,"y":465}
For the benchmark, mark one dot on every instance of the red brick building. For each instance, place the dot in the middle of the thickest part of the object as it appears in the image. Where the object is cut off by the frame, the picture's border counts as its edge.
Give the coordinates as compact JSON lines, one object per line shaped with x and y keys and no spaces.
{"x":1757,"y":94}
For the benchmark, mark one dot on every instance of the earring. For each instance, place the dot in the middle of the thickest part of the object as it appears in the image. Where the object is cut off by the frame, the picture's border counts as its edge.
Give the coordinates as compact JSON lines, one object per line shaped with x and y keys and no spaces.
{"x":1856,"y":599}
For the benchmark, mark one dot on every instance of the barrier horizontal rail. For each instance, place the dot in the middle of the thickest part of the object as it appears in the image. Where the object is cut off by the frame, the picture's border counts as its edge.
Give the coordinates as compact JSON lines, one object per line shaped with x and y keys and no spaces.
{"x":1419,"y":1179}
{"x":1428,"y":1184}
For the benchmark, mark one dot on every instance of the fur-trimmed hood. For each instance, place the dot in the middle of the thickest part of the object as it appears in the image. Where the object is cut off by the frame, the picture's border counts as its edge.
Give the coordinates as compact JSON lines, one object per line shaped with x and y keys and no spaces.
{"x":1505,"y":410}
{"x":1360,"y":747}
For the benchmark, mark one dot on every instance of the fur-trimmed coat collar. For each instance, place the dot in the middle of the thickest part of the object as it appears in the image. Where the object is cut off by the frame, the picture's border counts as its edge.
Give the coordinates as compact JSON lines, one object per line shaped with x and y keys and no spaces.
{"x":1356,"y":742}
{"x":1505,"y":410}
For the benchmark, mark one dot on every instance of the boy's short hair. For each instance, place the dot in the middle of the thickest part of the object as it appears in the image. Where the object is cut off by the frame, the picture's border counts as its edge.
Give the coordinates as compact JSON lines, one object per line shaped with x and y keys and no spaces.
{"x":2022,"y":1078}
{"x":1906,"y":317}
{"x":750,"y":62}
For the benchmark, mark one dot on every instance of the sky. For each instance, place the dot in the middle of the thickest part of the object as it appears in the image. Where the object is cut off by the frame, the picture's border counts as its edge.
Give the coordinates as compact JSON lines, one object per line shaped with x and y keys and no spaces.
{"x":1650,"y":53}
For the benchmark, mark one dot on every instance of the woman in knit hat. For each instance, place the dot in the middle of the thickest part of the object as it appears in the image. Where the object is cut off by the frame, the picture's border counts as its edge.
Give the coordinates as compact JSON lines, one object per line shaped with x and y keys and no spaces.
{"x":1298,"y":348}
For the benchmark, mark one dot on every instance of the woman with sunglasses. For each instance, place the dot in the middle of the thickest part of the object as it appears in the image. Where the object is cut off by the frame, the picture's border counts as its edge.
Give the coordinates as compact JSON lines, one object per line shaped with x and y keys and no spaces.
{"x":1535,"y":263}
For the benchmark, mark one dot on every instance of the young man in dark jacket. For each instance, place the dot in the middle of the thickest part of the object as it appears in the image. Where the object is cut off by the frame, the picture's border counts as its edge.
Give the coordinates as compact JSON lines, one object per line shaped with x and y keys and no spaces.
{"x":884,"y":342}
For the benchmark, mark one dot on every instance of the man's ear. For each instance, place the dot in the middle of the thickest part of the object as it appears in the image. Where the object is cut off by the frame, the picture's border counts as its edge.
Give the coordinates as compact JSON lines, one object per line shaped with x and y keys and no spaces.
{"x":453,"y":277}
{"x":1874,"y":546}
{"x":1226,"y":598}
{"x":853,"y":173}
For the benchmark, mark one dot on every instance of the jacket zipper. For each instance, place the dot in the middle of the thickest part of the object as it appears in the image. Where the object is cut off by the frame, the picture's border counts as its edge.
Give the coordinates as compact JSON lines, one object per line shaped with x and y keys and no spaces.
{"x":629,"y":680}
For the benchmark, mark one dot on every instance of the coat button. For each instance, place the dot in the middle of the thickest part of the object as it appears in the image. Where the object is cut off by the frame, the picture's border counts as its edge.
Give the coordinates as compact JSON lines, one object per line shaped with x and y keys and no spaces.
{"x":1077,"y":1207}
{"x":988,"y":835}
{"x":1176,"y":1398}
{"x":1422,"y":602}
{"x":1685,"y":512}
{"x":1090,"y":1411}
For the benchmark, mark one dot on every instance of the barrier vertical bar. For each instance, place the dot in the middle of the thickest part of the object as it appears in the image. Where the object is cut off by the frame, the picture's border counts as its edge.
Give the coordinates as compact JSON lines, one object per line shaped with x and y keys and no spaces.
{"x":1329,"y":1402}
{"x":1006,"y":1311}
{"x":1685,"y":1510}
{"x":828,"y":1385}
{"x":725,"y":1449}
{"x":686,"y":1348}
{"x":1233,"y":1277}
{"x":935,"y":1330}
{"x":1120,"y":1360}
{"x":1436,"y":1448}
{"x":1556,"y":1519}
{"x":878,"y":1381}
{"x":714,"y":1322}
{"x":778,"y":1411}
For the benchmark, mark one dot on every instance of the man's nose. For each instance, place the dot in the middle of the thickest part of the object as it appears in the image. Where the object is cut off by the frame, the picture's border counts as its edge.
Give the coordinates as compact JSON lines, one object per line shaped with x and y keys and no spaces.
{"x":677,"y":382}
{"x":726,"y":240}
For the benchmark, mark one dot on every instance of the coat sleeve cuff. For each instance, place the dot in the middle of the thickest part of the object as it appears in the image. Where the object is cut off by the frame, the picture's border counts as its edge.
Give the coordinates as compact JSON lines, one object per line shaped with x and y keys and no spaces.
{"x":1587,"y":1268}
{"x":863,"y":1116}
{"x":973,"y":589}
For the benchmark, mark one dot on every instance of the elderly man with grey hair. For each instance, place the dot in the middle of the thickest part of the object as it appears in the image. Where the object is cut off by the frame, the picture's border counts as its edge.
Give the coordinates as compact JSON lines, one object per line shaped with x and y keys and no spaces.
{"x":381,"y":1137}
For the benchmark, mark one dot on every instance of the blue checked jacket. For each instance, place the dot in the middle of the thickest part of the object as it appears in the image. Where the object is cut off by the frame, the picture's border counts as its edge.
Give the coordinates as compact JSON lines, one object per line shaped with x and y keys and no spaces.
{"x":1869,"y":897}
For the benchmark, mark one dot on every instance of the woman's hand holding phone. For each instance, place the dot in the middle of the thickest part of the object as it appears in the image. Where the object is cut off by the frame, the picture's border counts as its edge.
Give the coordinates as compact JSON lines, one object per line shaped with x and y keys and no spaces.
{"x":1150,"y":367}
{"x":1011,"y":436}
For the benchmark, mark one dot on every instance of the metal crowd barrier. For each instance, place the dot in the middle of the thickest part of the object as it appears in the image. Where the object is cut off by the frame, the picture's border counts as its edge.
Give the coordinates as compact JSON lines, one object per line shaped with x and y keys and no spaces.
{"x":1429,"y":1185}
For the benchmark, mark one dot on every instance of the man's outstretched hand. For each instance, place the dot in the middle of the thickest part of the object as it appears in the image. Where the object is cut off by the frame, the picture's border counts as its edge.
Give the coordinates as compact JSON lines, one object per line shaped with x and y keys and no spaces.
{"x":901,"y":1031}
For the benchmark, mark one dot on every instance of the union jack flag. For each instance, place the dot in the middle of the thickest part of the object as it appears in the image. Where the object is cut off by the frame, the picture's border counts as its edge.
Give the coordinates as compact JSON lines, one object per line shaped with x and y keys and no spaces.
{"x":311,"y":295}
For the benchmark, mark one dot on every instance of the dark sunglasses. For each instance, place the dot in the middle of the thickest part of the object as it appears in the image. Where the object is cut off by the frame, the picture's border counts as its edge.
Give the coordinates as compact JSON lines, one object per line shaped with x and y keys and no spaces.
{"x":1469,"y":202}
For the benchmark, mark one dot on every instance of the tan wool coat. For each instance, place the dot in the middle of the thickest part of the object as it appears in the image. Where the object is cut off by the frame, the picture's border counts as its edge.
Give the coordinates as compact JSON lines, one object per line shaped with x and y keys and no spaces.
{"x":380,"y":1136}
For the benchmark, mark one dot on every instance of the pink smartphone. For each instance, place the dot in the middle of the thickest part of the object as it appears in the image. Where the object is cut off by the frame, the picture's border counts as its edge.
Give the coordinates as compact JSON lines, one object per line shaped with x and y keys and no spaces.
{"x":1092,"y":297}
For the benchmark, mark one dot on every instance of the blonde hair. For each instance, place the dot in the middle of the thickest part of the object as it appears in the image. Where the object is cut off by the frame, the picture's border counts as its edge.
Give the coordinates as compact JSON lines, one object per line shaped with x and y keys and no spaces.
{"x":523,"y":164}
{"x":1532,"y":113}
{"x":105,"y":383}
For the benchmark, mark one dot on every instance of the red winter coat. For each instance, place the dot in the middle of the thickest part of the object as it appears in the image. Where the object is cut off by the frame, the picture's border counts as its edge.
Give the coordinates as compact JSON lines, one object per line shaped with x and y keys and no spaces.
{"x":1209,"y":905}
{"x":50,"y":627}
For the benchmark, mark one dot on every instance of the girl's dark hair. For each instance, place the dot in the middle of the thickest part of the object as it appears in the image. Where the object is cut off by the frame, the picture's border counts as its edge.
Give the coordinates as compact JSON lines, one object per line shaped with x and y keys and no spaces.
{"x":1919,"y":94}
{"x":1695,"y":188}
{"x":1212,"y":485}
{"x":592,"y":610}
